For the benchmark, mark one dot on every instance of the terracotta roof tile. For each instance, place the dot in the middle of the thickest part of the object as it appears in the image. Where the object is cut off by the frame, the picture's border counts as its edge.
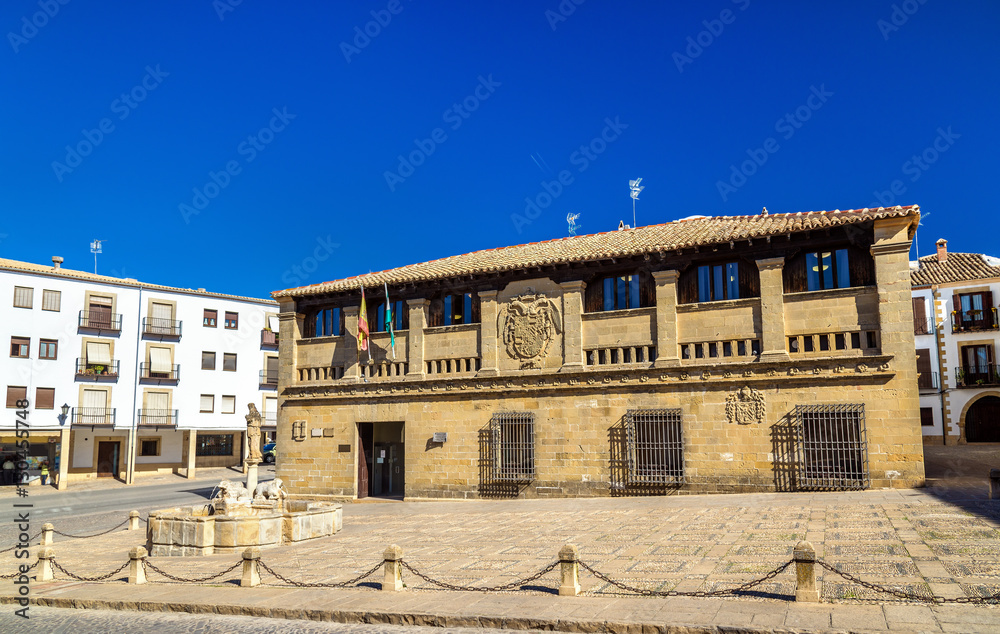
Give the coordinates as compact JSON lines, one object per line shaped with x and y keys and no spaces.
{"x":959,"y":267}
{"x":697,"y":231}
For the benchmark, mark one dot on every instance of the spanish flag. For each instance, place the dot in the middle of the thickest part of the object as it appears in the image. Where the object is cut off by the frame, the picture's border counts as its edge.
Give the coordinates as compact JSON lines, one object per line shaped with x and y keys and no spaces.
{"x":363,"y":333}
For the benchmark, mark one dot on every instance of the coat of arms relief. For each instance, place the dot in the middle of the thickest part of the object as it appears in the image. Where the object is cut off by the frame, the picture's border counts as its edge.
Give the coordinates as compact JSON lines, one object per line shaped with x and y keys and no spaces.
{"x":745,"y":406}
{"x":528,"y":325}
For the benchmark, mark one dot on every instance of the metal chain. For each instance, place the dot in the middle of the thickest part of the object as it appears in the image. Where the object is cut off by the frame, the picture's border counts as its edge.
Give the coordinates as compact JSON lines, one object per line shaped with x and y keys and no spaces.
{"x":14,"y":574}
{"x":303,"y":584}
{"x":678,"y":593}
{"x":30,"y":539}
{"x":147,"y":564}
{"x":901,"y":594}
{"x":94,"y":535}
{"x":507,"y":586}
{"x":78,"y":578}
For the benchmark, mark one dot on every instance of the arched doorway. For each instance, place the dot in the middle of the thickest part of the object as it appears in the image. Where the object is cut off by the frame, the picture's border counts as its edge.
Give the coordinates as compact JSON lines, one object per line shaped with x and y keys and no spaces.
{"x":982,"y":421}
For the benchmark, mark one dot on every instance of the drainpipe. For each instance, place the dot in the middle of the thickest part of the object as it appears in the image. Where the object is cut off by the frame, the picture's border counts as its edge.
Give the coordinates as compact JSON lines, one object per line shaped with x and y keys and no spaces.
{"x":133,"y":430}
{"x":937,"y":347}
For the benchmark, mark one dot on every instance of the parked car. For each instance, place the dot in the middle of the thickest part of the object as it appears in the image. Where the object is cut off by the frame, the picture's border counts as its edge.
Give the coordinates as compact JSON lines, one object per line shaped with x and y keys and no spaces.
{"x":268,"y":452}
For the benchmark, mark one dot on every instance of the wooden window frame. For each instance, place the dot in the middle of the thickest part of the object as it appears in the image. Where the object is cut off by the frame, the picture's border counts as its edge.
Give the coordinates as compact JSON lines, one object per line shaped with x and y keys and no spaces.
{"x":225,"y":355}
{"x":212,"y":316}
{"x":40,"y":401}
{"x":55,"y":349}
{"x":159,"y":444}
{"x":21,"y":343}
{"x":12,"y":395}
{"x":30,"y":293}
{"x":235,"y":319}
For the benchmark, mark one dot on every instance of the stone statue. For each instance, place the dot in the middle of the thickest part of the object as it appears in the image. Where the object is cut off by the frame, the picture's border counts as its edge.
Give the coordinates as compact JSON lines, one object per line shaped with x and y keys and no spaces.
{"x":232,"y":492}
{"x":272,"y":490}
{"x":253,"y":433}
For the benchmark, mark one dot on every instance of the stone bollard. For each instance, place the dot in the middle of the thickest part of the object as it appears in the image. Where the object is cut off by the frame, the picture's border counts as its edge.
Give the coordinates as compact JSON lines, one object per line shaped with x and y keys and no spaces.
{"x":393,"y":579}
{"x":136,"y":570}
{"x":995,"y":484}
{"x":133,"y":520}
{"x":251,"y":572}
{"x":47,"y":529}
{"x":805,"y":572}
{"x":569,"y":566}
{"x":45,"y":557}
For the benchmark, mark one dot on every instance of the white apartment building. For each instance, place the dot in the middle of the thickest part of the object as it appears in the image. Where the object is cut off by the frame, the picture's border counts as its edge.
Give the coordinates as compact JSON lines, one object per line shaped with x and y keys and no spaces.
{"x":126,"y":378}
{"x":957,"y":337}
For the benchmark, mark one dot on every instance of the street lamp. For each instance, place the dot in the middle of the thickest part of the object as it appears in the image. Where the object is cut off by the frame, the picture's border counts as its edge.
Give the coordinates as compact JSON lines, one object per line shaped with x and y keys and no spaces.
{"x":65,"y":409}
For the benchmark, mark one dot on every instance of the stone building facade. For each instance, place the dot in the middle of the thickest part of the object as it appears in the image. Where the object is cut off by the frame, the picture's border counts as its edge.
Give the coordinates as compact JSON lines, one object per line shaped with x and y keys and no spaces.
{"x":753,"y":353}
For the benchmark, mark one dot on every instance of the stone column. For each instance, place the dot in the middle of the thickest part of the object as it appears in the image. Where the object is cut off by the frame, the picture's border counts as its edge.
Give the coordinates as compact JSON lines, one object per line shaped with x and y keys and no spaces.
{"x":488,"y":335}
{"x":136,"y":571}
{"x":352,"y":370}
{"x":772,"y":310}
{"x":569,"y":568}
{"x":62,"y":482}
{"x":251,"y":476}
{"x":572,"y":307}
{"x":415,"y":338}
{"x":393,"y":578}
{"x":251,"y":573}
{"x":192,"y":452}
{"x":666,"y":318}
{"x":805,"y":572}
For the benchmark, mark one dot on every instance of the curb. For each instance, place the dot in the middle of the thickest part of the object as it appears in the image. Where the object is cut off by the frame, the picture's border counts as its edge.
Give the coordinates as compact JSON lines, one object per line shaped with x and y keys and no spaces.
{"x":354,"y":617}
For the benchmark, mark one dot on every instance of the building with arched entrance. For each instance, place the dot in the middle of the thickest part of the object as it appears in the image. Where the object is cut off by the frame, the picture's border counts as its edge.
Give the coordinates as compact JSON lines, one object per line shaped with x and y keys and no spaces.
{"x":956,"y":332}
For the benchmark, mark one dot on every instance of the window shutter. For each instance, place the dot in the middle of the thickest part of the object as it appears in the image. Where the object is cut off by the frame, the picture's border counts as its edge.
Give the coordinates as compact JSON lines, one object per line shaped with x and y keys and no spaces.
{"x":988,"y":314}
{"x":15,"y":394}
{"x":23,"y":296}
{"x":159,"y":360}
{"x":956,"y":302}
{"x":647,"y":290}
{"x":593,"y":294}
{"x":404,"y":310}
{"x":51,"y":300}
{"x":687,"y":286}
{"x":476,"y":317}
{"x":435,"y":316}
{"x":97,"y":399}
{"x":924,"y":361}
{"x":157,"y":401}
{"x":45,"y":398}
{"x":794,"y":273}
{"x":99,"y":353}
{"x":919,"y":316}
{"x":207,"y":402}
{"x":862,"y":266}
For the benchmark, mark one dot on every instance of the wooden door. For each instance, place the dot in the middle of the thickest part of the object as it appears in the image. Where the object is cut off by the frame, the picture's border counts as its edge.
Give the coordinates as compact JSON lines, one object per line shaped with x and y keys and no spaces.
{"x":982,"y":422}
{"x":100,"y":316}
{"x":272,"y":369}
{"x":107,"y":459}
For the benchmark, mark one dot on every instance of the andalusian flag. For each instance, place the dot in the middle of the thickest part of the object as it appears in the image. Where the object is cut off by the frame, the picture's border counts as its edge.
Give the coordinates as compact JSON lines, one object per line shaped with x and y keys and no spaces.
{"x":388,"y":321}
{"x":363,"y":333}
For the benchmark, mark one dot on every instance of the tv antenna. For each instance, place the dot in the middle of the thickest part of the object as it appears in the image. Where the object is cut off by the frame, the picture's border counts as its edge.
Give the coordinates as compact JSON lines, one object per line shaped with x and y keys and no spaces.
{"x":634,"y":189}
{"x":95,"y":248}
{"x":916,"y":242}
{"x":573,"y":227}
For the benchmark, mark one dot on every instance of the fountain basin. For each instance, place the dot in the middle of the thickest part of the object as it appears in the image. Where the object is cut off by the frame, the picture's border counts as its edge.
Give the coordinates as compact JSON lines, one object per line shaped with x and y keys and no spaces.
{"x":197,"y":530}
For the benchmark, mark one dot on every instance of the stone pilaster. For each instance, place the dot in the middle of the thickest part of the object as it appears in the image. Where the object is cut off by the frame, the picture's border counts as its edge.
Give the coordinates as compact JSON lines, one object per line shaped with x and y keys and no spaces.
{"x":352,"y":369}
{"x":62,"y":479}
{"x":572,"y":296}
{"x":415,"y":338}
{"x":772,"y":310}
{"x":289,"y":332}
{"x":666,"y":318}
{"x":192,"y":451}
{"x":488,"y":311}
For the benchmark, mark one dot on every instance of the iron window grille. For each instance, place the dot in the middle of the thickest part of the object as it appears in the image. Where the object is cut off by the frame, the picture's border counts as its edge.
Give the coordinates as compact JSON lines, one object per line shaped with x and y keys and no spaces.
{"x":512,"y":447}
{"x":655,"y":446}
{"x":832,"y":447}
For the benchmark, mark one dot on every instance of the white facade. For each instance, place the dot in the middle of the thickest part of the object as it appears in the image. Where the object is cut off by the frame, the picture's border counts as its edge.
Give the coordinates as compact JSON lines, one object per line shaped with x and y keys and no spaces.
{"x":962,"y":353}
{"x":131,"y":347}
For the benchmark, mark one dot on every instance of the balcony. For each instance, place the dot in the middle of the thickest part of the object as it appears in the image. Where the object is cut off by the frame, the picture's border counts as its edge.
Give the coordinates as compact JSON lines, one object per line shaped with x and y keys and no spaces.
{"x":97,"y":371}
{"x":973,"y":320}
{"x":100,"y":321}
{"x":270,"y":419}
{"x":157,"y":418}
{"x":93,"y":416}
{"x":157,"y":327}
{"x":268,"y":378}
{"x":268,"y":338}
{"x":928,"y":381}
{"x":147,"y":373}
{"x":979,"y":375}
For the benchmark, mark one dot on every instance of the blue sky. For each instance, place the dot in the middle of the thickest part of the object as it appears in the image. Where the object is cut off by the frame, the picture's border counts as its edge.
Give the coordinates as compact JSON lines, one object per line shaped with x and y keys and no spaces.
{"x":254,"y":147}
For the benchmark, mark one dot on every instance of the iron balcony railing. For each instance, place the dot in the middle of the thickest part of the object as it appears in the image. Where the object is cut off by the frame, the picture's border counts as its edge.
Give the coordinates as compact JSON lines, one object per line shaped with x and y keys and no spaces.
{"x":978,"y":375}
{"x":146,"y":371}
{"x":157,"y":418}
{"x":268,"y":377}
{"x":97,"y":371}
{"x":268,"y":338}
{"x":832,"y":447}
{"x":111,"y":322}
{"x":161,"y":327}
{"x":270,"y":419}
{"x":973,"y":320}
{"x":93,"y":416}
{"x":928,"y":381}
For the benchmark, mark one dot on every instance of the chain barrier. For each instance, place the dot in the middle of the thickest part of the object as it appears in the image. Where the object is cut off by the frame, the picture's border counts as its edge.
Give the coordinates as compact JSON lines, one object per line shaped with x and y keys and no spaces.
{"x":110,"y":530}
{"x":30,"y":539}
{"x":501,"y":588}
{"x":149,"y":566}
{"x":910,"y":596}
{"x":56,"y":565}
{"x":14,"y":574}
{"x":695,"y":593}
{"x":303,"y":584}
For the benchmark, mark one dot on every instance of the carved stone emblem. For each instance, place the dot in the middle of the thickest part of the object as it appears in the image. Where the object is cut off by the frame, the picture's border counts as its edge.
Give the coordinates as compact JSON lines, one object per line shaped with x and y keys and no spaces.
{"x":745,"y":406}
{"x":529,"y":323}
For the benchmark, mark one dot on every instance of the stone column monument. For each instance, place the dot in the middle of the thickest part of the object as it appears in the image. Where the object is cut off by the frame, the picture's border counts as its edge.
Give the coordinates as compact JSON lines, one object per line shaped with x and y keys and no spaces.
{"x":253,"y":442}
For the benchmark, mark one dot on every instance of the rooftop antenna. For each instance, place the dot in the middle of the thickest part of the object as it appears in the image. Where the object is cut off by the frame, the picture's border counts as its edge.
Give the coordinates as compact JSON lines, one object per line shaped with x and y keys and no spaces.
{"x":573,"y":227}
{"x":95,"y":248}
{"x":916,"y":243}
{"x":635,"y":188}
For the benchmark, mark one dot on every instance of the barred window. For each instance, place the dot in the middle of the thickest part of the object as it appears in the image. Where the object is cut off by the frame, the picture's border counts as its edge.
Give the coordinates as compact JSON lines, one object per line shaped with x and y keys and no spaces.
{"x":512,"y":440}
{"x":215,"y":445}
{"x":655,"y":444}
{"x":832,"y":446}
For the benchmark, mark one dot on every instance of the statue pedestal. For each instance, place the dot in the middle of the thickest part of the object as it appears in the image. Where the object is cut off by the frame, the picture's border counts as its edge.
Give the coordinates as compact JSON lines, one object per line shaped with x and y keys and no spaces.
{"x":251,"y":477}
